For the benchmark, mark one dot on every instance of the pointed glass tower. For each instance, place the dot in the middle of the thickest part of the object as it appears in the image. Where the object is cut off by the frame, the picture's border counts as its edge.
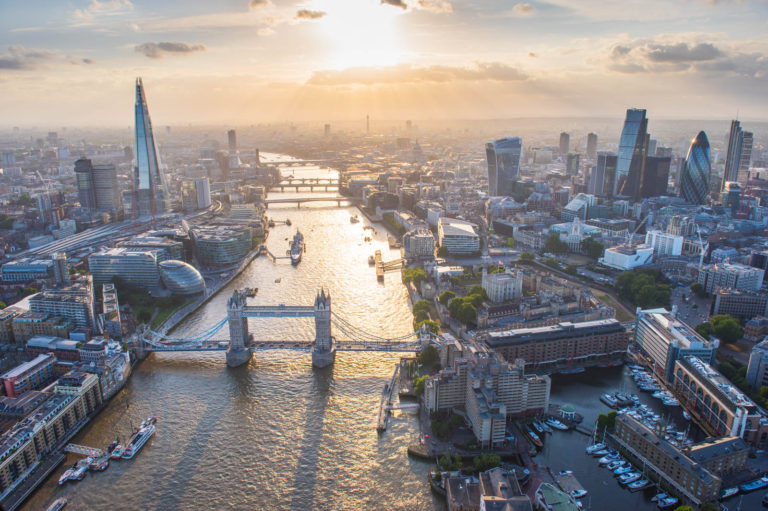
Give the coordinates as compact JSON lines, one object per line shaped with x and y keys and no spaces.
{"x":150,"y":190}
{"x":694,"y":179}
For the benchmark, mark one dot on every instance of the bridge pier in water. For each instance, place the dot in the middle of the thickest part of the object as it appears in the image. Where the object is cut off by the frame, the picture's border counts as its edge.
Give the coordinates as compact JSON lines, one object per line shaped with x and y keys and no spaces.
{"x":324,"y":350}
{"x":237,"y":353}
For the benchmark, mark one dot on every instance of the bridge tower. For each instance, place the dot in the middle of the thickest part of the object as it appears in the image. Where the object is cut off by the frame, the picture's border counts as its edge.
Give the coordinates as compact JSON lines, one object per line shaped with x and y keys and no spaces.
{"x":324,"y":350}
{"x":237,"y":353}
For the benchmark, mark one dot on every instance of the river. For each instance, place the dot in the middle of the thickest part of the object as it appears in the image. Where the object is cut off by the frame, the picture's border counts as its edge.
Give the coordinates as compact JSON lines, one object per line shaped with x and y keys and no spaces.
{"x":275,"y":434}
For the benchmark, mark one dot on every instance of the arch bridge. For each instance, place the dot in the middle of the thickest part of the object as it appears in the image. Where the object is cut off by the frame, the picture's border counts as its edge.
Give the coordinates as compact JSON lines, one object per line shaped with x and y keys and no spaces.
{"x":241,"y":344}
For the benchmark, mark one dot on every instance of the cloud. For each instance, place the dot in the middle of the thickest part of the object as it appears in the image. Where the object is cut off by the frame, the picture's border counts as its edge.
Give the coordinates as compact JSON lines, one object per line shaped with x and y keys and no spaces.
{"x":20,"y":58}
{"x":158,"y":50}
{"x":395,"y":3}
{"x":258,"y":4}
{"x":106,"y":7}
{"x":308,"y":14}
{"x":439,"y":6}
{"x":483,"y":71}
{"x":523,"y":9}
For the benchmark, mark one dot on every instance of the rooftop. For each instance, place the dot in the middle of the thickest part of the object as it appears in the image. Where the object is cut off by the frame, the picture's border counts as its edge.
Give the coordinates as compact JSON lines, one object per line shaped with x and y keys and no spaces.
{"x":565,"y":329}
{"x":454,"y":227}
{"x":716,"y":382}
{"x":716,"y":447}
{"x":672,"y":329}
{"x":30,"y":367}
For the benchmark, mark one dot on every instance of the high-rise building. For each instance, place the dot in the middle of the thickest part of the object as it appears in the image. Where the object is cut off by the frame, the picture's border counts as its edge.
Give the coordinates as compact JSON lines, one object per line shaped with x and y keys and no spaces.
{"x":565,"y":142}
{"x":696,"y":171}
{"x":655,"y":176}
{"x":592,"y":146}
{"x":730,"y":276}
{"x":195,"y":193}
{"x":632,"y":151}
{"x":60,"y":268}
{"x":572,"y":164}
{"x":150,"y":189}
{"x":739,"y":153}
{"x":603,"y":176}
{"x":503,"y":157}
{"x":84,"y":179}
{"x":97,"y":186}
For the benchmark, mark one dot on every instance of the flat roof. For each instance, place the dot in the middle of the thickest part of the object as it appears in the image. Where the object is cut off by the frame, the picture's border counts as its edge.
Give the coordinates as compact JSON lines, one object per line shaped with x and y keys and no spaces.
{"x":29,"y":367}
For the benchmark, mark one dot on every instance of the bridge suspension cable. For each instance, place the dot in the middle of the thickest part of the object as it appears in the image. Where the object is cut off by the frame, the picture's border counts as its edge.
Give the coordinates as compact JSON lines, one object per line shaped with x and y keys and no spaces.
{"x":200,"y":336}
{"x":356,"y":332}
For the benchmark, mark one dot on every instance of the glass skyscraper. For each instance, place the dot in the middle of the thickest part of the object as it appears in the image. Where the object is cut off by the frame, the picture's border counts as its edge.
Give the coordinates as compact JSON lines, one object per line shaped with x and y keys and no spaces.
{"x":503,"y":165}
{"x":697,"y":167}
{"x":631,"y":157}
{"x":150,"y":190}
{"x":739,"y":153}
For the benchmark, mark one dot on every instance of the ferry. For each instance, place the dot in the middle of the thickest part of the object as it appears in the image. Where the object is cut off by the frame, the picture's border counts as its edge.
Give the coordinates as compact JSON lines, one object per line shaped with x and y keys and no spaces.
{"x":297,"y":247}
{"x":667,"y":503}
{"x":57,"y":504}
{"x":140,"y":438}
{"x":728,"y":493}
{"x":66,"y":476}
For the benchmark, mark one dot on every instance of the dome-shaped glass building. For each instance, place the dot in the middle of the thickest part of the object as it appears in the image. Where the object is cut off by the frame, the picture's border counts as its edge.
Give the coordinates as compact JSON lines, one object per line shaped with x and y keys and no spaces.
{"x":694,"y":179}
{"x":180,"y":278}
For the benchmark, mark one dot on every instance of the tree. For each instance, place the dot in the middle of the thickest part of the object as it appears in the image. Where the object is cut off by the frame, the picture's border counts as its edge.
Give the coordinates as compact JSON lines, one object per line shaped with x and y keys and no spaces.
{"x":726,"y":329}
{"x":683,"y":508}
{"x":478,"y":291}
{"x":415,"y":275}
{"x":570,"y":269}
{"x":552,"y":263}
{"x":592,"y":248}
{"x":26,"y":291}
{"x":421,"y":306}
{"x":3,"y":305}
{"x":6,"y":222}
{"x":443,"y":252}
{"x":486,"y":461}
{"x":704,"y":329}
{"x":445,"y":462}
{"x":457,"y":463}
{"x":510,"y":242}
{"x":709,"y":506}
{"x":428,"y":356}
{"x":527,"y":256}
{"x":467,"y":313}
{"x":418,"y":385}
{"x":446,"y":297}
{"x":698,"y":289}
{"x":555,"y":245}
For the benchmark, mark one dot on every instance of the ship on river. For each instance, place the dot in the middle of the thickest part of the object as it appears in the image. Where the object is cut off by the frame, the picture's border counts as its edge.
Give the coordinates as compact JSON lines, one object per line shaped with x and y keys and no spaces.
{"x":297,"y":247}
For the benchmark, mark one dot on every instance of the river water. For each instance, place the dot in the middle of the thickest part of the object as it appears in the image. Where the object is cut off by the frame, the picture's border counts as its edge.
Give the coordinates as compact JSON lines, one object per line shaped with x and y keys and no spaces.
{"x":277,"y":434}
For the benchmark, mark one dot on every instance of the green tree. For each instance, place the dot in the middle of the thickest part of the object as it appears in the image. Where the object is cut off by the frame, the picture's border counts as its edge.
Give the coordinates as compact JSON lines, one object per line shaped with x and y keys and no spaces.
{"x":418,"y":385}
{"x":415,"y":275}
{"x":555,"y":245}
{"x":704,"y":329}
{"x":457,"y":463}
{"x":552,"y":263}
{"x":443,"y":252}
{"x":446,"y":297}
{"x":421,"y":306}
{"x":432,"y":326}
{"x":26,"y":291}
{"x":698,"y":289}
{"x":478,"y":290}
{"x":683,"y":508}
{"x":570,"y":269}
{"x":428,"y":356}
{"x":445,"y":462}
{"x":727,"y":329}
{"x":593,"y":249}
{"x":486,"y":461}
{"x":709,"y":506}
{"x":527,"y":256}
{"x":3,"y":305}
{"x":510,"y":242}
{"x":6,"y":222}
{"x":467,"y":313}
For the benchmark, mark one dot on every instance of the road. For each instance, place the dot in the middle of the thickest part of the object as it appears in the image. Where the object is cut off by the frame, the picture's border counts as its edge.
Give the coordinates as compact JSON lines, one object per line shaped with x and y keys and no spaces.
{"x":686,"y":312}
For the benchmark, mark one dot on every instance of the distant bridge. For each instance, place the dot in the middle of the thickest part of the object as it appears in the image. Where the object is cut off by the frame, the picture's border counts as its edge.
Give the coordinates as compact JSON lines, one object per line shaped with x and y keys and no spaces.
{"x":300,"y":200}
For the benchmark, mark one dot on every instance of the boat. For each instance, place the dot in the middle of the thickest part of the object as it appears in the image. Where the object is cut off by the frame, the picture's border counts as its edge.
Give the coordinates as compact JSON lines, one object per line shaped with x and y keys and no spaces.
{"x":667,"y":503}
{"x":57,"y":504}
{"x":545,"y":427}
{"x":659,"y":496}
{"x":728,"y":493}
{"x":609,"y":400}
{"x":629,"y":478}
{"x":754,"y":485}
{"x":353,"y":219}
{"x":686,"y":415}
{"x":622,"y":470}
{"x":288,"y":221}
{"x":117,"y":452}
{"x":615,"y":464}
{"x":371,"y":260}
{"x":82,"y":468}
{"x":639,"y":484}
{"x":556,"y":424}
{"x":139,"y":439}
{"x":607,"y":459}
{"x":538,"y":427}
{"x":595,"y":447}
{"x":297,"y":247}
{"x":66,"y":476}
{"x":534,"y":438}
{"x":99,"y":464}
{"x":578,"y":493}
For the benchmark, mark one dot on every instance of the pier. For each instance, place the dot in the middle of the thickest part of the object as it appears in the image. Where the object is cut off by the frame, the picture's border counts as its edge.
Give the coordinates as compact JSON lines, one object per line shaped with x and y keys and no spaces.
{"x":379,"y":267}
{"x":386,"y":402}
{"x":568,"y":483}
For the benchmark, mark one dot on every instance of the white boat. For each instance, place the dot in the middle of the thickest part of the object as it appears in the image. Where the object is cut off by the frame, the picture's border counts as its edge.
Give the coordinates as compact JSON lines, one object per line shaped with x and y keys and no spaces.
{"x":66,"y":476}
{"x":608,"y":459}
{"x":57,"y":504}
{"x":659,"y":496}
{"x":630,"y":477}
{"x":600,"y":453}
{"x":137,"y":442}
{"x":577,"y":494}
{"x":595,"y":447}
{"x":686,"y":415}
{"x":622,"y":470}
{"x":557,"y":424}
{"x":667,"y":503}
{"x":609,"y":400}
{"x":615,"y":464}
{"x":639,"y":484}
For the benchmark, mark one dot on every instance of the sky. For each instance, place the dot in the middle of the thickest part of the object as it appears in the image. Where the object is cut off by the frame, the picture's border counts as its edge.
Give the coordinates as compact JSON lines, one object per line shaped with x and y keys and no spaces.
{"x":74,"y":62}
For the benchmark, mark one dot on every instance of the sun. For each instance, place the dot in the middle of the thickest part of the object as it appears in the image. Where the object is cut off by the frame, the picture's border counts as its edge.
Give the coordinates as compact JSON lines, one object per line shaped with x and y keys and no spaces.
{"x":361,"y":32}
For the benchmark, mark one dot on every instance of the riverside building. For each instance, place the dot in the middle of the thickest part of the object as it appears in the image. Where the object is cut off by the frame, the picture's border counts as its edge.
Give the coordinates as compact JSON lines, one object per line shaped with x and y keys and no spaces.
{"x":664,"y":339}
{"x":458,"y":236}
{"x":136,"y":268}
{"x":563,"y":346}
{"x":221,"y":245}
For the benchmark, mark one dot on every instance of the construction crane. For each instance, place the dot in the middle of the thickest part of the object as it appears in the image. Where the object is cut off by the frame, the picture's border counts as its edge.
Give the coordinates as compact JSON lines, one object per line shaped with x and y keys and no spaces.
{"x":630,"y":237}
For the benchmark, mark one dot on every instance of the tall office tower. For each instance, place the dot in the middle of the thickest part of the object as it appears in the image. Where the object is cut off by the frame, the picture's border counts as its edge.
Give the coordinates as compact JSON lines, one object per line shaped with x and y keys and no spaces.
{"x":739,"y":153}
{"x":150,"y":189}
{"x":652,"y":147}
{"x":592,"y":146}
{"x":572,"y":164}
{"x":60,"y":269}
{"x":632,"y":152}
{"x":327,"y":130}
{"x":367,"y":123}
{"x":565,"y":142}
{"x":234,"y":156}
{"x":696,"y":170}
{"x":84,"y":177}
{"x":655,"y":176}
{"x":603,"y":175}
{"x":97,"y":186}
{"x":503,"y":165}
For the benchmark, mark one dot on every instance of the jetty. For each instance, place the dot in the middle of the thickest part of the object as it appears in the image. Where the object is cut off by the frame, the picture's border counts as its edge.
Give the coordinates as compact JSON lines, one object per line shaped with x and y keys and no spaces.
{"x":385,"y":406}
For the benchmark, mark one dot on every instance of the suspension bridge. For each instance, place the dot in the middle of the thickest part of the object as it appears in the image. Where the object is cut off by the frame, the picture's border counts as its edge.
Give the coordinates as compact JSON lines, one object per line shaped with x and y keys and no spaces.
{"x":241,"y":344}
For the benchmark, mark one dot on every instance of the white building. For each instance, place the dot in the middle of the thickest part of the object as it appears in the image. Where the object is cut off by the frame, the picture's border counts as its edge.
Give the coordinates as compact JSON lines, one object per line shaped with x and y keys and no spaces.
{"x":625,"y":258}
{"x":419,"y":243}
{"x":731,"y":276}
{"x":664,"y":244}
{"x":136,"y":268}
{"x":757,"y":370}
{"x":458,"y":236}
{"x":502,"y":287}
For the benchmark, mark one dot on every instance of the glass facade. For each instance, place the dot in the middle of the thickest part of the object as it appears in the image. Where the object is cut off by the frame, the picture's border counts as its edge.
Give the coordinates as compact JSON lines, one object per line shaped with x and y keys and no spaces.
{"x":631,"y":157}
{"x":149,"y":185}
{"x":694,"y":180}
{"x":180,"y":278}
{"x":503,"y":157}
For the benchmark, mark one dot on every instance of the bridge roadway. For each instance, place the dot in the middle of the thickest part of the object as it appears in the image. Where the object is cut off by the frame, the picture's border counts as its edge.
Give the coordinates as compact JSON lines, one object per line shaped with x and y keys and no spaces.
{"x":222,"y":345}
{"x":299,"y":200}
